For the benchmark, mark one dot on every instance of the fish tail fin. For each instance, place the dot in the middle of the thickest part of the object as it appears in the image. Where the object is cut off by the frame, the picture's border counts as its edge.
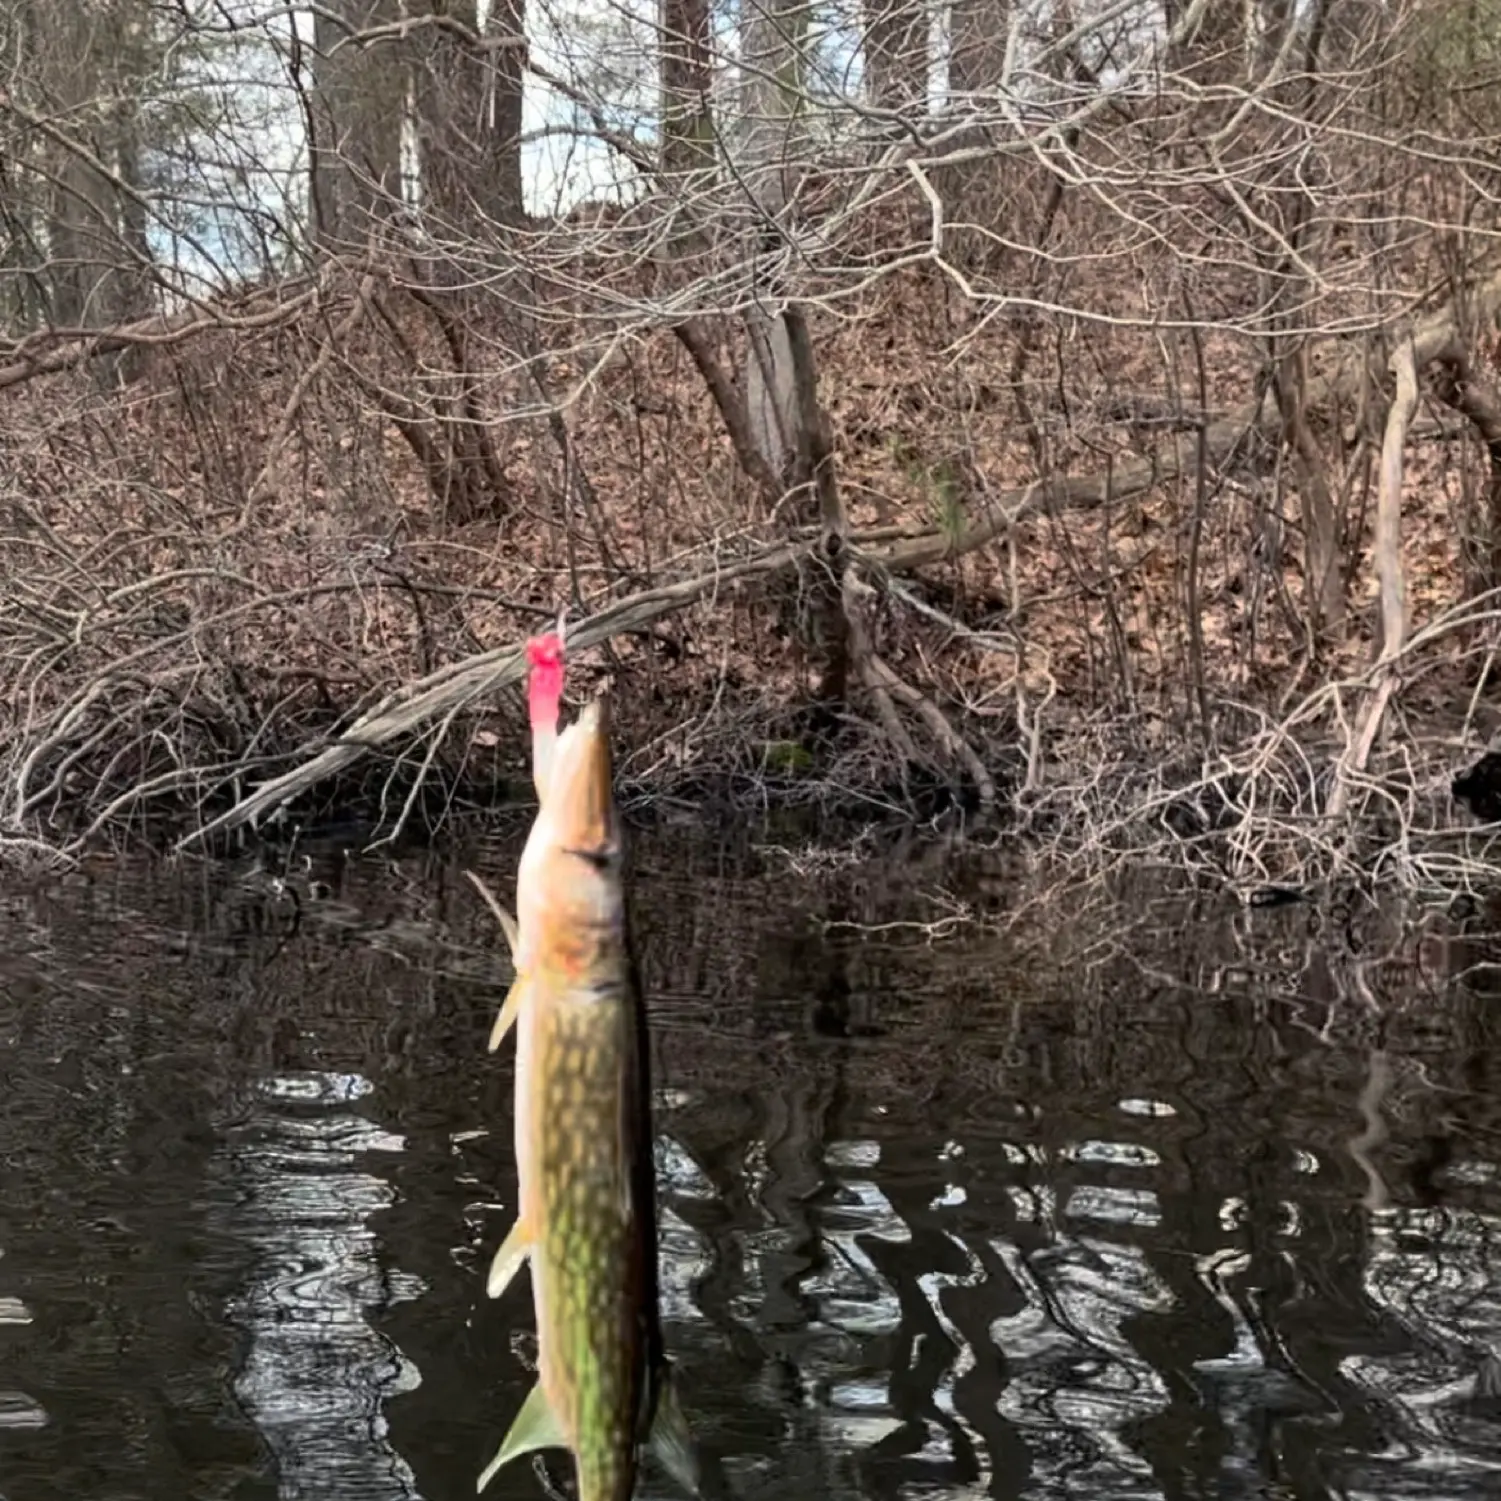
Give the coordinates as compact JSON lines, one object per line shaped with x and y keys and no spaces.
{"x":513,"y":1251}
{"x":670,"y":1439}
{"x":535,"y":1427}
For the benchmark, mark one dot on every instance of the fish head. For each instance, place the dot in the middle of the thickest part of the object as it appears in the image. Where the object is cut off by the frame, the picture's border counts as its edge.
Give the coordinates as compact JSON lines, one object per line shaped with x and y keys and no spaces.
{"x":571,"y":898}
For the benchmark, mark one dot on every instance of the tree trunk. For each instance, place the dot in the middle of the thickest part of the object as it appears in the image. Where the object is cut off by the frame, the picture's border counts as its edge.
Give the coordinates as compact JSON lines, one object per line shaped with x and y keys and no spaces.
{"x":977,"y":46}
{"x":468,"y":107}
{"x":131,"y":290}
{"x":814,"y":467}
{"x":80,"y":228}
{"x":1216,"y":51}
{"x":1324,"y":584}
{"x":687,"y":123}
{"x":502,"y":115}
{"x":88,"y":65}
{"x":359,"y":100}
{"x":768,"y":148}
{"x":781,"y":382}
{"x":896,"y":53}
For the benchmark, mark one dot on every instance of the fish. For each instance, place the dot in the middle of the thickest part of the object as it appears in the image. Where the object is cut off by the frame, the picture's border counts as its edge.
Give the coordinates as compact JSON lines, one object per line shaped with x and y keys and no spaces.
{"x":587,"y":1182}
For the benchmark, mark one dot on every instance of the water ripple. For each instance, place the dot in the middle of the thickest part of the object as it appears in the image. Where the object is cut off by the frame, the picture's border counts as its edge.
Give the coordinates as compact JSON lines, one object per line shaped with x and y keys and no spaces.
{"x":315,"y":1375}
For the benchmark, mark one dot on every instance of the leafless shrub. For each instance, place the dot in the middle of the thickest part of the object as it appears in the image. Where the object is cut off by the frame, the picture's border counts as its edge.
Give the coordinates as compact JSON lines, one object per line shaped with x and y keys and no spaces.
{"x":1069,"y":412}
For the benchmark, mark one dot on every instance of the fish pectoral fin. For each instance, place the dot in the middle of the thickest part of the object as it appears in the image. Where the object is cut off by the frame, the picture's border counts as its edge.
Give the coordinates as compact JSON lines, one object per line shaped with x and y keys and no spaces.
{"x":508,"y":1011}
{"x":670,"y":1439}
{"x":509,"y":928}
{"x":535,"y":1427}
{"x":513,"y":1251}
{"x":504,"y":918}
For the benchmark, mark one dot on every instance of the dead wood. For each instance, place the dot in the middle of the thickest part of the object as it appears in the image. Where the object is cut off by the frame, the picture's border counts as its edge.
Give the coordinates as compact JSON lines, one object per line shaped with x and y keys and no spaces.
{"x":453,"y":688}
{"x":949,"y":739}
{"x":448,"y":691}
{"x":1353,"y":760}
{"x":51,"y":350}
{"x":862,"y":656}
{"x":1389,"y":505}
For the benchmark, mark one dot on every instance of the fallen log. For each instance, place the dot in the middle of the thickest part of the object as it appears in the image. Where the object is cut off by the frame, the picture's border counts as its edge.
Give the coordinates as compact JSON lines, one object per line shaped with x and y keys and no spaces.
{"x":49,"y":351}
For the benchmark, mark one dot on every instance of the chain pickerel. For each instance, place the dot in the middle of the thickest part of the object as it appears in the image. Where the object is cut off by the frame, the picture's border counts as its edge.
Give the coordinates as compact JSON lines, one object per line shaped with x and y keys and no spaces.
{"x":587,"y":1220}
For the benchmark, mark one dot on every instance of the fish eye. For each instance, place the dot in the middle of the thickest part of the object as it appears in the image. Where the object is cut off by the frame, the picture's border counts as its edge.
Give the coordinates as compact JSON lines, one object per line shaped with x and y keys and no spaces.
{"x":601,"y":858}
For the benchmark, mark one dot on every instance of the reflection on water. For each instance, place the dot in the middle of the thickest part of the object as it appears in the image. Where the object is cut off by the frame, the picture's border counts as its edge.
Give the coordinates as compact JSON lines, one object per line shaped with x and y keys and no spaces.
{"x":1204,"y":1209}
{"x":315,"y":1376}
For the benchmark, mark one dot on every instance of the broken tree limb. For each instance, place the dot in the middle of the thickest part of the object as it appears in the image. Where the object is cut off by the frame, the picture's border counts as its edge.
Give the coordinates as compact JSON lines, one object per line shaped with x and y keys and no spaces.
{"x":50,"y":350}
{"x":1389,"y":505}
{"x":455,"y":687}
{"x":949,"y":739}
{"x":887,"y":688}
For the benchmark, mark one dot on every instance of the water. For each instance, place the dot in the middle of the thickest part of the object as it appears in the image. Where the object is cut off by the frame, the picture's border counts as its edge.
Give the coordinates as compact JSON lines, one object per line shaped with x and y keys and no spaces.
{"x":1162,"y":1199}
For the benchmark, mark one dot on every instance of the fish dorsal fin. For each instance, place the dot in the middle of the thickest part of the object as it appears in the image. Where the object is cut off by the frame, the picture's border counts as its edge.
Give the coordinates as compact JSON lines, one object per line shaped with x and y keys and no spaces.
{"x":670,"y":1440}
{"x":513,"y":1251}
{"x":535,"y":1428}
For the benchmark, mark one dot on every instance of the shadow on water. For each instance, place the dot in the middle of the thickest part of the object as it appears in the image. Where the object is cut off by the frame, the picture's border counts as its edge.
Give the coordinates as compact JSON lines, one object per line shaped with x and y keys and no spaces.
{"x":1166,"y":1199}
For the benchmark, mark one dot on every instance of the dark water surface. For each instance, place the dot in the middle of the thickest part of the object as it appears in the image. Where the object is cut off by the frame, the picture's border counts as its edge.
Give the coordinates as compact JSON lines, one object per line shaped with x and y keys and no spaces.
{"x":1157,"y":1200}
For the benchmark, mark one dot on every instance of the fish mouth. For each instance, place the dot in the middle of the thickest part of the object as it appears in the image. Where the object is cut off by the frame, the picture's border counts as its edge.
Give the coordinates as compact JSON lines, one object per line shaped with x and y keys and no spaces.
{"x":601,"y":857}
{"x":580,"y":796}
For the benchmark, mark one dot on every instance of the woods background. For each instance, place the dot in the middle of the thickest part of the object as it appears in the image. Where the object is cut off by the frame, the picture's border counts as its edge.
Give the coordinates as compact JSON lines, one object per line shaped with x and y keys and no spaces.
{"x":1077,"y":402}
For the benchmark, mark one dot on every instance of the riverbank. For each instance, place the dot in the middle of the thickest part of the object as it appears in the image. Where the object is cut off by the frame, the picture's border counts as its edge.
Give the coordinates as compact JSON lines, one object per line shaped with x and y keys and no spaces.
{"x":231,"y":588}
